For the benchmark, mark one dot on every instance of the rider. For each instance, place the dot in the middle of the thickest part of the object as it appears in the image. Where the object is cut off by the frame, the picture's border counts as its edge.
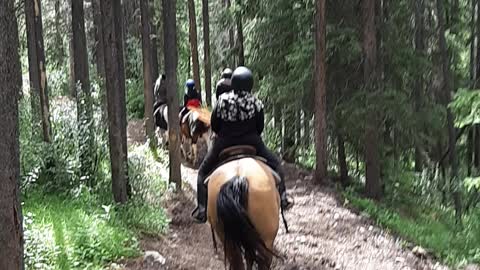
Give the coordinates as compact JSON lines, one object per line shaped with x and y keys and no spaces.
{"x":224,"y":85}
{"x":191,"y":98}
{"x":237,"y":119}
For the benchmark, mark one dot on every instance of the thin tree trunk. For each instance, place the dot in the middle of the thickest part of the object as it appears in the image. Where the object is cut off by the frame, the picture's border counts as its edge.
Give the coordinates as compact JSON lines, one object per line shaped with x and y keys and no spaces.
{"x":36,"y":60}
{"x":419,"y":84}
{"x":231,"y":40}
{"x":446,"y":87}
{"x":171,"y":61}
{"x":240,"y":39}
{"x":320,"y":92}
{"x":476,"y":138}
{"x":342,"y":159}
{"x":82,"y":81}
{"x":194,"y":44}
{"x":11,"y":232}
{"x":206,"y":52}
{"x":147,"y":72}
{"x":153,"y":40}
{"x":115,"y":83}
{"x":471,"y":132}
{"x":99,"y":47}
{"x":100,"y":56}
{"x":60,"y":53}
{"x":373,"y":186}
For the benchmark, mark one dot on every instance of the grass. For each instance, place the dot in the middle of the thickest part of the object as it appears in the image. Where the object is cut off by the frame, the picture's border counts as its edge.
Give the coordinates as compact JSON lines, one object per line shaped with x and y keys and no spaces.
{"x":429,"y":227}
{"x":87,"y":231}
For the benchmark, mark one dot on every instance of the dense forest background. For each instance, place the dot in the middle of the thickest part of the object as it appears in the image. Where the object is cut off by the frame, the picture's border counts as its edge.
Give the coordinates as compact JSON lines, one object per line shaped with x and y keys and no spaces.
{"x":396,"y":124}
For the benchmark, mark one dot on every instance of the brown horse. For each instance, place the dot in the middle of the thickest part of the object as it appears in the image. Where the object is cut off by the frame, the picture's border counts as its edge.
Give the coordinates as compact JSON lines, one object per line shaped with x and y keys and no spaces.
{"x":195,"y":125}
{"x":243,"y":209}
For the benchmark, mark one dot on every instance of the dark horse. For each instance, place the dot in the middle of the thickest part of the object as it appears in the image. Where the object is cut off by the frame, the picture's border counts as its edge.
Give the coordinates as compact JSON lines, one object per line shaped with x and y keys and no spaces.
{"x":193,"y":126}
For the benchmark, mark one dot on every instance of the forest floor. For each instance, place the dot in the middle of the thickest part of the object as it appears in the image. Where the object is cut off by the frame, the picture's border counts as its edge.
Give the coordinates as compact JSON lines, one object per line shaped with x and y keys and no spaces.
{"x":324,"y":232}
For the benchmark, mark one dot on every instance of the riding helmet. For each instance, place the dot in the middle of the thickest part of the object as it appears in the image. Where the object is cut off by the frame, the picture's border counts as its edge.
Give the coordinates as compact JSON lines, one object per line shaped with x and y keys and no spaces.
{"x":242,"y":80}
{"x":190,"y":83}
{"x":227,"y":73}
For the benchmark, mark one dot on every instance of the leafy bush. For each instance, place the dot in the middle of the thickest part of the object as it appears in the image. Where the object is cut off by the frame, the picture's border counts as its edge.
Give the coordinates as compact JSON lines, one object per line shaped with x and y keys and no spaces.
{"x":66,"y":233}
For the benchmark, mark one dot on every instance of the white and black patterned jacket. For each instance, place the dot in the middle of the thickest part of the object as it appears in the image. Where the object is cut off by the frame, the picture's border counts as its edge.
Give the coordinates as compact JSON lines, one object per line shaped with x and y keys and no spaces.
{"x":237,"y":114}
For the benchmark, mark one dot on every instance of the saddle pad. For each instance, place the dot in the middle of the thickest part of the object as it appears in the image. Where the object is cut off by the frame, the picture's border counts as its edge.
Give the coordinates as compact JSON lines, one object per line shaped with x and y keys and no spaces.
{"x":237,"y":157}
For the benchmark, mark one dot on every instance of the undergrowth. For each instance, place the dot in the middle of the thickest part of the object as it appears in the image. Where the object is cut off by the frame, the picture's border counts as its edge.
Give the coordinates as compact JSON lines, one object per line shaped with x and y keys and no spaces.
{"x":430,"y":227}
{"x":70,"y":223}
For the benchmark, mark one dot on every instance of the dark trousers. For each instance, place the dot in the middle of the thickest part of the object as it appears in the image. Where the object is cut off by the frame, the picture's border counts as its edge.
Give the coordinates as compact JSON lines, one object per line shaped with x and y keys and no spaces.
{"x":220,"y":143}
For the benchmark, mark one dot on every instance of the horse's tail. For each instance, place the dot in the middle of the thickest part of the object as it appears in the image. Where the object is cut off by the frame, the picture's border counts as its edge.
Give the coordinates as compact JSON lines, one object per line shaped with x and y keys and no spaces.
{"x":241,"y":237}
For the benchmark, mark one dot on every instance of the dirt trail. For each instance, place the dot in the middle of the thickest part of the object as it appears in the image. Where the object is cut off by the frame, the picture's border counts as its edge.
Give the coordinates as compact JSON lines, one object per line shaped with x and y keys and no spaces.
{"x":323,"y":235}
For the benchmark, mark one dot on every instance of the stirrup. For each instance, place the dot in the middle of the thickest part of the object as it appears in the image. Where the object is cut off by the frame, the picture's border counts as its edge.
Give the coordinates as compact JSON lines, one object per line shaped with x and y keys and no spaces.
{"x":197,"y":217}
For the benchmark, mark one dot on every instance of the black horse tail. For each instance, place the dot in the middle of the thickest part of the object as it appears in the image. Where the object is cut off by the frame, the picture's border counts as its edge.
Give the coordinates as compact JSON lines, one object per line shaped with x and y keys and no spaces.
{"x":241,"y":237}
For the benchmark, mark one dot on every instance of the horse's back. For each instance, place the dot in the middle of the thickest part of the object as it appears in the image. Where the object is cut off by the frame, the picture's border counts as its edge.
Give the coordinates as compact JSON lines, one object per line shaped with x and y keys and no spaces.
{"x":263,"y":199}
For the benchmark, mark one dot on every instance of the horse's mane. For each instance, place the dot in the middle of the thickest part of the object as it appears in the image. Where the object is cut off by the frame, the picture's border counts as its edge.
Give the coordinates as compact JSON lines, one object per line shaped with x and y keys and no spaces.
{"x":203,"y":114}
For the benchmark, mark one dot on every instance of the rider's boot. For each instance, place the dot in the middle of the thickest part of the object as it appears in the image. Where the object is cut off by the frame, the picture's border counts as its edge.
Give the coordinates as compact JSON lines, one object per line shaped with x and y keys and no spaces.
{"x":200,"y":213}
{"x":285,"y":203}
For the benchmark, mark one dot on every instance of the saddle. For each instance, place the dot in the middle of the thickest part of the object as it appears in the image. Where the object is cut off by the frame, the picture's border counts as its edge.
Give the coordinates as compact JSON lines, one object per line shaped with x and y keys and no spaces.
{"x":238,"y":152}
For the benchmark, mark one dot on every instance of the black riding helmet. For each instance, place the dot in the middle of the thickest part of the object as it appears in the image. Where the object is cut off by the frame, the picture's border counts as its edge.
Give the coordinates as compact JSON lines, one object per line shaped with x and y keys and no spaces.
{"x":242,"y":80}
{"x":227,"y":73}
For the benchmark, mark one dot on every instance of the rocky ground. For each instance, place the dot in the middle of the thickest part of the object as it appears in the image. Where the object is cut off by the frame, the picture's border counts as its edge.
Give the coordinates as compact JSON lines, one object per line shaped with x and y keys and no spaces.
{"x":324,"y":234}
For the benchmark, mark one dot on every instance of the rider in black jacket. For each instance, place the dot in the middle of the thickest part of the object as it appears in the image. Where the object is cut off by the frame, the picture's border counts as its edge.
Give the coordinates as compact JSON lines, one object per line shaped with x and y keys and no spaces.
{"x":224,"y":85}
{"x":237,"y":119}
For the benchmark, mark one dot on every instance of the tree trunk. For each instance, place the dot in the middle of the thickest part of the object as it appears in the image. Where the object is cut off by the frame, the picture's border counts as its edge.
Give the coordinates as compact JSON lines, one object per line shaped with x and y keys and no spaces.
{"x":153,"y":41}
{"x":206,"y":52}
{"x":194,"y":44}
{"x":11,"y":232}
{"x":36,"y":60}
{"x":99,"y":47}
{"x":171,"y":61}
{"x":147,"y":72}
{"x":59,"y":51}
{"x":446,"y":87}
{"x":373,"y":186}
{"x":160,"y":42}
{"x":320,"y":92}
{"x":419,"y":84}
{"x":73,"y":90}
{"x":289,"y":147}
{"x":476,"y":138}
{"x":82,"y":83}
{"x":115,"y":83}
{"x":471,"y":132}
{"x":342,"y":160}
{"x":240,"y":39}
{"x":231,"y":40}
{"x":100,"y":56}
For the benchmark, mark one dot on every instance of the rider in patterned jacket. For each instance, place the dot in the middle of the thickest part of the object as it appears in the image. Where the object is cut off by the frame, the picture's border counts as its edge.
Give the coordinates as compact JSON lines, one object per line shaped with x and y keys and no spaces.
{"x":237,"y":119}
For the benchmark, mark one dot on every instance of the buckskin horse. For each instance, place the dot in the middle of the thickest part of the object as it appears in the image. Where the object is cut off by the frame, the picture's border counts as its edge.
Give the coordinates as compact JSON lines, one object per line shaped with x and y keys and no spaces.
{"x":243,"y":208}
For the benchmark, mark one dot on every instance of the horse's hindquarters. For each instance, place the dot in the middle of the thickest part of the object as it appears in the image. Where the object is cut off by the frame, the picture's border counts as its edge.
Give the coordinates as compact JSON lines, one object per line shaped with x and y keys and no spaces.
{"x":263,"y":199}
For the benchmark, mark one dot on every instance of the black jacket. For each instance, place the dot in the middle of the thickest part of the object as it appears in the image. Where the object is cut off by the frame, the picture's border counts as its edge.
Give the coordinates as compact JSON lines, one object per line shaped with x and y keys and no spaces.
{"x":191,"y":94}
{"x":236,"y":115}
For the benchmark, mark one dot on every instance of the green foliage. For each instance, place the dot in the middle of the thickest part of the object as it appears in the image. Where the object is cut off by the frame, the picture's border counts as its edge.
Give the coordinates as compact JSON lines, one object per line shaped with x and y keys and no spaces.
{"x":135,"y":99}
{"x":73,"y":233}
{"x":466,"y":107}
{"x":430,"y":227}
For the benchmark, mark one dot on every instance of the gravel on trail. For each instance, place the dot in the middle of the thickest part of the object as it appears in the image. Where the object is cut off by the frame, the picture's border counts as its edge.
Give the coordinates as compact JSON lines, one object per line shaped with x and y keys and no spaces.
{"x":324,"y":234}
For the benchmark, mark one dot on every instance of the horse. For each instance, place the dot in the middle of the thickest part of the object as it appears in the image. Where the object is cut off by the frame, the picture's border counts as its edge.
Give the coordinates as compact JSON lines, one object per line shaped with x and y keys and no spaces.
{"x":193,"y":126}
{"x":243,"y":210}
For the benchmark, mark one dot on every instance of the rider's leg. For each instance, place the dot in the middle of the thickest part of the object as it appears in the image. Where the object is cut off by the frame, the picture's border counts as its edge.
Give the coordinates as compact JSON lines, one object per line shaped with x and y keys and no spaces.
{"x":208,"y":164}
{"x":274,"y":162}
